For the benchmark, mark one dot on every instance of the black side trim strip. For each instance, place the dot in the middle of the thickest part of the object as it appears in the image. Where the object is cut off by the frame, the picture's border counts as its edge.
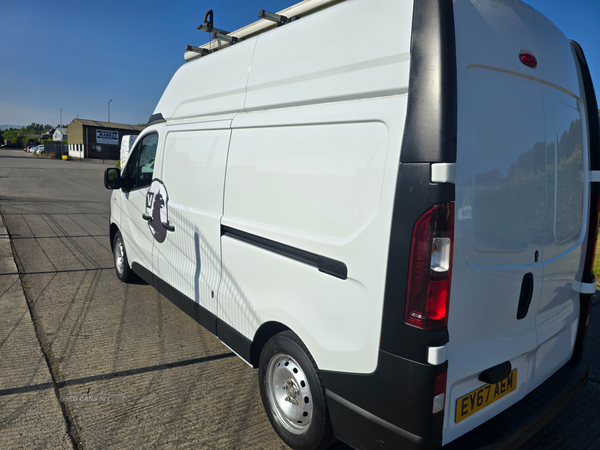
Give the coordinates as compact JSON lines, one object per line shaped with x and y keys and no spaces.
{"x":200,"y":314}
{"x":326,"y":265}
{"x":230,"y":337}
{"x":155,"y":118}
{"x":144,"y":274}
{"x":235,"y":340}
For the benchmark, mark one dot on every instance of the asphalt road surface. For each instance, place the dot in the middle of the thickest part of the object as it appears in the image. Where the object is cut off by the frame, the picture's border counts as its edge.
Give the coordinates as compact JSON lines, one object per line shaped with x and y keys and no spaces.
{"x":132,"y":370}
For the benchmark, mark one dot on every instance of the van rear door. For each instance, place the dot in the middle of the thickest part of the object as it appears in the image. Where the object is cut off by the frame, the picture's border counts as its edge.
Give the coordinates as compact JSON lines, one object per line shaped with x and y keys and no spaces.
{"x":519,"y":210}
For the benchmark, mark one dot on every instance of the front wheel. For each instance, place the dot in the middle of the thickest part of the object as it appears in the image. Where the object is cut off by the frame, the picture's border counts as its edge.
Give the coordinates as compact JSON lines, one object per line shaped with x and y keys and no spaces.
{"x":124,"y":272}
{"x":292,"y":394}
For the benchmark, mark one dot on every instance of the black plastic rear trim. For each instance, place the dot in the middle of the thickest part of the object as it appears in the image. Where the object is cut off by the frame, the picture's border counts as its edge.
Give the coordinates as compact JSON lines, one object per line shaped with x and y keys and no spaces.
{"x":399,"y":392}
{"x":591,"y":108}
{"x":373,"y":432}
{"x":429,"y":137}
{"x":431,"y":121}
{"x":326,"y":265}
{"x":415,"y":195}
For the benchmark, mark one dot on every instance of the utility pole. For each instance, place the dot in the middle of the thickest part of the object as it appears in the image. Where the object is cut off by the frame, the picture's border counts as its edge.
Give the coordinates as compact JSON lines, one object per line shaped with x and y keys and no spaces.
{"x":60,"y":126}
{"x":109,"y":110}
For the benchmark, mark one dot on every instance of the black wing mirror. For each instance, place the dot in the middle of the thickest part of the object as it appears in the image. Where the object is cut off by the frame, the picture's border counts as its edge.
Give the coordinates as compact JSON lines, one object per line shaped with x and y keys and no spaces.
{"x":112,"y":178}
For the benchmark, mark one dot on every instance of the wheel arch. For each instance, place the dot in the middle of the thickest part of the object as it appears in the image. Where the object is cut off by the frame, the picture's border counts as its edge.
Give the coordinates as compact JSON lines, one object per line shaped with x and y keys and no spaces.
{"x":265,"y":332}
{"x":112,"y":231}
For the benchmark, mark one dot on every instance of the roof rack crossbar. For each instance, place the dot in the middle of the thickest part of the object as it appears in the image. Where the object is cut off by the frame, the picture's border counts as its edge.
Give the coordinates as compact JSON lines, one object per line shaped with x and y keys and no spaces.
{"x":223,"y":37}
{"x":199,"y":50}
{"x":277,"y":18}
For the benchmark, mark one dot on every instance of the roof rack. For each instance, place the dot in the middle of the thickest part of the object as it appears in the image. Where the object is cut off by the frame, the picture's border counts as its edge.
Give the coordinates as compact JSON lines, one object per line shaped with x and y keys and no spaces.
{"x":268,"y":21}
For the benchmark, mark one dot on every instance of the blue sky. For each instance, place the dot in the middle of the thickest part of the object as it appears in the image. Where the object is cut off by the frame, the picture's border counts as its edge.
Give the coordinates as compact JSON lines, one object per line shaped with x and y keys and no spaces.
{"x":78,"y":55}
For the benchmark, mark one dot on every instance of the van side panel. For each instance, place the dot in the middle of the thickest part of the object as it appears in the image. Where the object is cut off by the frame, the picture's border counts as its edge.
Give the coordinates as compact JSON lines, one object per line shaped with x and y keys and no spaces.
{"x":322,"y":187}
{"x":317,"y":174}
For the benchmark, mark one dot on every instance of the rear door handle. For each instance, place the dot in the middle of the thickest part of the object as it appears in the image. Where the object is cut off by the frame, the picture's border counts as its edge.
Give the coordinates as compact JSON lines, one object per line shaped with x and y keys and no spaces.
{"x":496,"y":374}
{"x":525,"y":296}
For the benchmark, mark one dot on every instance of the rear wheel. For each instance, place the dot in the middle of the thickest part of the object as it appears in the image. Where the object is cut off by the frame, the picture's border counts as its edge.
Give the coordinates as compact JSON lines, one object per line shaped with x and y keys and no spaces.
{"x":124,"y":272}
{"x":292,"y":394}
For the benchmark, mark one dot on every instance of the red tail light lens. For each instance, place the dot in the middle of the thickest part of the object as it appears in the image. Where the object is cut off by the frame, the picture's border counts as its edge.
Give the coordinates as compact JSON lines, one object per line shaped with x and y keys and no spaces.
{"x":528,"y":60}
{"x":430,"y":269}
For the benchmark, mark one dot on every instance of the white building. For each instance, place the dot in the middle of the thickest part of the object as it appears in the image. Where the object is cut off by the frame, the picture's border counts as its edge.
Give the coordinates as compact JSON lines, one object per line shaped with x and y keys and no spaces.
{"x":60,"y":134}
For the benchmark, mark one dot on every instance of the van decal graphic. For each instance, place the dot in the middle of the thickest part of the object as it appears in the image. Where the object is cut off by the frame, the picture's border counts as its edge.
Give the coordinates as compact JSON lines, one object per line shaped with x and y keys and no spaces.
{"x":157,"y":203}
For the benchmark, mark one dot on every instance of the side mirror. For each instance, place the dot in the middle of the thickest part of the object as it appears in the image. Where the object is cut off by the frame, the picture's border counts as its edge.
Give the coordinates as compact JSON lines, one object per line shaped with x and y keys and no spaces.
{"x":112,"y":178}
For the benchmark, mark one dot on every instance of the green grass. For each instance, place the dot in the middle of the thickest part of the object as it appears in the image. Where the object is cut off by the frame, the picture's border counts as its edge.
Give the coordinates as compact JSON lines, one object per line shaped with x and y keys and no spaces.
{"x":597,"y":266}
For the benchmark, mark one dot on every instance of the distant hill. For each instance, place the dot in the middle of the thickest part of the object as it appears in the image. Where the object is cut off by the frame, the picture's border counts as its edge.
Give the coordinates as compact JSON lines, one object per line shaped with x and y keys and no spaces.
{"x":4,"y":127}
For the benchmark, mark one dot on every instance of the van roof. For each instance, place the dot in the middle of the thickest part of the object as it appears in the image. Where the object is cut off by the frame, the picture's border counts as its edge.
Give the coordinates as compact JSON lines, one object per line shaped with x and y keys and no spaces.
{"x":298,"y":10}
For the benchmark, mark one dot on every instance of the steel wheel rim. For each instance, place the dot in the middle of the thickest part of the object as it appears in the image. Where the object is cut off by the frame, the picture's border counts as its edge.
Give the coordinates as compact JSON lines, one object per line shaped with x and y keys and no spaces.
{"x":289,"y":394}
{"x":119,"y":257}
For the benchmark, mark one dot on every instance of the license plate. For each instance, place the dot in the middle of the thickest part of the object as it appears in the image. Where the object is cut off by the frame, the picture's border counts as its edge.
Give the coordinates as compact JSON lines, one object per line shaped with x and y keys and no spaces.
{"x":484,"y":396}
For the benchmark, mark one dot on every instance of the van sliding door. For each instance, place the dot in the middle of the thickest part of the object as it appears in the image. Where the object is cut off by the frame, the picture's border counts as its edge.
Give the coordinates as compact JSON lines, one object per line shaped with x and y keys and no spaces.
{"x":193,"y":175}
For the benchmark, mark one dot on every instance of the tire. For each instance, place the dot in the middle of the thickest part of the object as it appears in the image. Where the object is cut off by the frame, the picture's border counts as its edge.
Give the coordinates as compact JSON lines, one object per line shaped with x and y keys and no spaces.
{"x":124,"y":272}
{"x":292,"y":394}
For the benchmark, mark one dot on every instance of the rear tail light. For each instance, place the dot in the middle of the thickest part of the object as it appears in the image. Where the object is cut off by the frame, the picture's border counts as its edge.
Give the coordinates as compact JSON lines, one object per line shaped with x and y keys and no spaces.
{"x":439,"y":392}
{"x":430,"y":269}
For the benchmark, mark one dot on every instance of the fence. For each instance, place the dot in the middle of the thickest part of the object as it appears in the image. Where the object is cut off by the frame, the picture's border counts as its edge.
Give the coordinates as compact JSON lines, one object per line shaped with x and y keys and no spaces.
{"x":58,"y":149}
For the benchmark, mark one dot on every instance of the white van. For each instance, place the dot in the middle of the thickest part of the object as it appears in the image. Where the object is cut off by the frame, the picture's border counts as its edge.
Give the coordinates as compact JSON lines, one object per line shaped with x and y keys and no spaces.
{"x":396,"y":226}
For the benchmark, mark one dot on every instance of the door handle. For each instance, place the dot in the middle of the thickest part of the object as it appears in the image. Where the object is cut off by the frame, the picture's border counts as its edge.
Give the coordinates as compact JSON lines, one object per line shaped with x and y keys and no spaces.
{"x":147,"y":218}
{"x":167,"y":226}
{"x":525,"y":296}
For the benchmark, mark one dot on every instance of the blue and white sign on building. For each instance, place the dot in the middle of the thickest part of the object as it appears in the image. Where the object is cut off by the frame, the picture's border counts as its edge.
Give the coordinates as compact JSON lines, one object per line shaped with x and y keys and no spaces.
{"x":108,"y":137}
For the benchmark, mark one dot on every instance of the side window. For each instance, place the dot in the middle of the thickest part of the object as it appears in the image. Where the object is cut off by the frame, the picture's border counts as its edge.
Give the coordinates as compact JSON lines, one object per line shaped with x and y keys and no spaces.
{"x":140,"y":165}
{"x":146,"y":162}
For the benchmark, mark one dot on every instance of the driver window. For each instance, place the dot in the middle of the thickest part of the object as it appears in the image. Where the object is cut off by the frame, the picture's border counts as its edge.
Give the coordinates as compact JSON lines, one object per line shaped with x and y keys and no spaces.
{"x":146,"y":161}
{"x":140,"y":166}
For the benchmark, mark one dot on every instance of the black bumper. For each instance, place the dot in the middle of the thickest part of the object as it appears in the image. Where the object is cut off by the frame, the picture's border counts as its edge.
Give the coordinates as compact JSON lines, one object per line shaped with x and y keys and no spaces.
{"x":363,"y":430}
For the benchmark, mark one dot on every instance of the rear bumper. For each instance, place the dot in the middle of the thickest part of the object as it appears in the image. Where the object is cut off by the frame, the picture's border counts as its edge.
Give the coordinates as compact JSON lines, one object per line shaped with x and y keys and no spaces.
{"x":521,"y":421}
{"x":509,"y":429}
